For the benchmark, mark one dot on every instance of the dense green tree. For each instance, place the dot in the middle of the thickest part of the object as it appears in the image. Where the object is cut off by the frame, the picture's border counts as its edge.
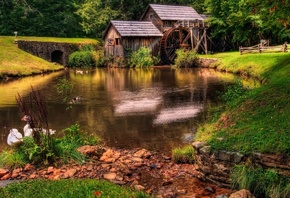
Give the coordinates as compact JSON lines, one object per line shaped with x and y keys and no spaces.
{"x":275,"y":18}
{"x":245,"y":22}
{"x":95,"y":15}
{"x":40,"y":17}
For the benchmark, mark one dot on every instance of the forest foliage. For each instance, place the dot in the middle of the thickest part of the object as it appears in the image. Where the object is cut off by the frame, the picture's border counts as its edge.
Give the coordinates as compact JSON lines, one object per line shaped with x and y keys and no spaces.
{"x":232,"y":23}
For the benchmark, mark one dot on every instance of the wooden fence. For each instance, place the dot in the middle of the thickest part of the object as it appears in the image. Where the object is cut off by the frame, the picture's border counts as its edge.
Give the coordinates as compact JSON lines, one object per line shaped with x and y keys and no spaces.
{"x":264,"y":47}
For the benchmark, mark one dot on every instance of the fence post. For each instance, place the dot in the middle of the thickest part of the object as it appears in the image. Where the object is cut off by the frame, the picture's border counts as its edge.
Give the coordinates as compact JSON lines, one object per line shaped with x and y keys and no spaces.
{"x":285,"y":49}
{"x":241,"y":50}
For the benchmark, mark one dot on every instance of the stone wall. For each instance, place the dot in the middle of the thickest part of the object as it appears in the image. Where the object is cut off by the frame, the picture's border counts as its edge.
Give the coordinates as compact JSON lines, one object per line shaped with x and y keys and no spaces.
{"x":50,"y":51}
{"x":216,"y":165}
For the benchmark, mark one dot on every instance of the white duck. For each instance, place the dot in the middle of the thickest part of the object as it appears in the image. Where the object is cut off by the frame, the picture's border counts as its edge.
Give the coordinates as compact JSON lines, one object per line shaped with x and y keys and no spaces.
{"x":14,"y":137}
{"x":28,"y":131}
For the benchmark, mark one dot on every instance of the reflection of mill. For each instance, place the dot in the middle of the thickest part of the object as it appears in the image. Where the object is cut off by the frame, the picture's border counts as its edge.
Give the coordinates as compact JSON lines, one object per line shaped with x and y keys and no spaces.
{"x":187,"y":35}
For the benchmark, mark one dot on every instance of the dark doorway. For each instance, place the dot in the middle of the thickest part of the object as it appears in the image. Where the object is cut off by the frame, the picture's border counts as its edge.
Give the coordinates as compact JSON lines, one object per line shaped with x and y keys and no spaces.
{"x":57,"y":56}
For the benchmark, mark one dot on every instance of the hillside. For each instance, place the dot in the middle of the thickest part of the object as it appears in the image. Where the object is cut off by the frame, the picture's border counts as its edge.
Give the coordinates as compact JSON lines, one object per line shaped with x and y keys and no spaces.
{"x":259,"y":120}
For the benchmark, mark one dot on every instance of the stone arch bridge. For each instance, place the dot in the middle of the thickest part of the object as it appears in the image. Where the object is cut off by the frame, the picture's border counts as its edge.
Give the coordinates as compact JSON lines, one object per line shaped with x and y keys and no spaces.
{"x":50,"y":51}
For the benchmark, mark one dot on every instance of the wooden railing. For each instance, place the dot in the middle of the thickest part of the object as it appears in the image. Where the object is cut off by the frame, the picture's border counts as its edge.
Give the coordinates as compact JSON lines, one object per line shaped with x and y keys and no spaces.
{"x":264,"y":47}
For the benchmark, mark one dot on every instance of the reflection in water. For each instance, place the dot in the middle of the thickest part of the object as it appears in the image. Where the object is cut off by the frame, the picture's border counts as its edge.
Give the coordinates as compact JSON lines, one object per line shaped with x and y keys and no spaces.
{"x":141,"y":102}
{"x":156,"y":108}
{"x":176,"y":114}
{"x":22,"y":86}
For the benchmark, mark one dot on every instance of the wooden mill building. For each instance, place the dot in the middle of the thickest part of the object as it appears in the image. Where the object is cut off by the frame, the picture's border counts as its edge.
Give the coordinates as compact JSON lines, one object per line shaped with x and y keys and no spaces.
{"x":162,"y":28}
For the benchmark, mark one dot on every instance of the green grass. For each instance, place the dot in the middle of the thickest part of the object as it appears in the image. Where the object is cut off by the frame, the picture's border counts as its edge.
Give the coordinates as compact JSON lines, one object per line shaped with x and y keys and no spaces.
{"x":256,"y":65}
{"x":259,"y":120}
{"x":270,"y":182}
{"x":183,"y":155}
{"x":16,"y":62}
{"x":57,"y":39}
{"x":76,"y":188}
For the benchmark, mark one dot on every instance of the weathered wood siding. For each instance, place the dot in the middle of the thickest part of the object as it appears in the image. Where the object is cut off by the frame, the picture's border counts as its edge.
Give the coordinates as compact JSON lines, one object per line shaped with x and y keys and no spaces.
{"x":134,"y":43}
{"x":123,"y":37}
{"x":112,"y":48}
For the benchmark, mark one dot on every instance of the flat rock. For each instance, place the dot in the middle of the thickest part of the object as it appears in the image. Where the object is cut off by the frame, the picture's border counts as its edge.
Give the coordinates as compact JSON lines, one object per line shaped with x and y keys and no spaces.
{"x":110,"y":176}
{"x":242,"y":194}
{"x":110,"y":156}
{"x":69,"y":173}
{"x":3,"y":172}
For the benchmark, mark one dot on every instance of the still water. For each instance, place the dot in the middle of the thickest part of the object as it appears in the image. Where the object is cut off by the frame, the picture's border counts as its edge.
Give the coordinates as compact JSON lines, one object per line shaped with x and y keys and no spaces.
{"x":157,"y":109}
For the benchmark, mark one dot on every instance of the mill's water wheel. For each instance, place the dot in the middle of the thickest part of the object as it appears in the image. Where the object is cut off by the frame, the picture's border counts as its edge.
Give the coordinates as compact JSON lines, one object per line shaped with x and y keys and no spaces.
{"x":172,"y":40}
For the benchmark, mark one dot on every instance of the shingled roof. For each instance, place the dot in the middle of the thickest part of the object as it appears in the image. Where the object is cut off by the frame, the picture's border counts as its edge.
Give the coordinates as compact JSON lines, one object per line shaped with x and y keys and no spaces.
{"x":135,"y":28}
{"x":174,"y":12}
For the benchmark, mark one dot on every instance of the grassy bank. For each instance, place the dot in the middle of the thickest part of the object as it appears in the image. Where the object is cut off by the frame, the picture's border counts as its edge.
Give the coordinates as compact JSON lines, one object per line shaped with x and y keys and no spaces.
{"x":15,"y":62}
{"x":259,"y":120}
{"x":68,"y":188}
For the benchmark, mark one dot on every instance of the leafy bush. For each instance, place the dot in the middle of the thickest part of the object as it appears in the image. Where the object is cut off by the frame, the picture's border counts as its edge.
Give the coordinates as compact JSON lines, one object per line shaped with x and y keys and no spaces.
{"x":183,"y":155}
{"x":141,"y":58}
{"x":186,"y":58}
{"x":100,"y":59}
{"x":261,"y":182}
{"x":82,"y":58}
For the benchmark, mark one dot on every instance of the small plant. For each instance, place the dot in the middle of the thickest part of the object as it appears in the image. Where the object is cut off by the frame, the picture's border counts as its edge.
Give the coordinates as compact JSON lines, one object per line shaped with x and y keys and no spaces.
{"x":66,"y":147}
{"x":64,"y":88}
{"x":186,"y":58}
{"x":141,"y":58}
{"x":11,"y":159}
{"x":270,"y":183}
{"x":183,"y":155}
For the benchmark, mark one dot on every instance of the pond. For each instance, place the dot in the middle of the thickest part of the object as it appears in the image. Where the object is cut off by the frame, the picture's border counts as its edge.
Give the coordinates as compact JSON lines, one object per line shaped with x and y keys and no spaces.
{"x":158,"y":108}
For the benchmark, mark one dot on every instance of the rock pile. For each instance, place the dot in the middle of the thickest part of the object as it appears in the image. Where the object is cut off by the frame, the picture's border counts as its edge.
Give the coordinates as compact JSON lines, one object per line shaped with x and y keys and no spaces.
{"x":140,"y":169}
{"x":216,"y":165}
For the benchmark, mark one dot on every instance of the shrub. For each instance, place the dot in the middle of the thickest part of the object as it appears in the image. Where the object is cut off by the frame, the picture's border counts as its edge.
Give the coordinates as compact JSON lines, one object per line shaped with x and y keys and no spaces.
{"x":261,"y":182}
{"x":82,"y":58}
{"x":141,"y":58}
{"x":186,"y":58}
{"x":183,"y":155}
{"x":100,"y":59}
